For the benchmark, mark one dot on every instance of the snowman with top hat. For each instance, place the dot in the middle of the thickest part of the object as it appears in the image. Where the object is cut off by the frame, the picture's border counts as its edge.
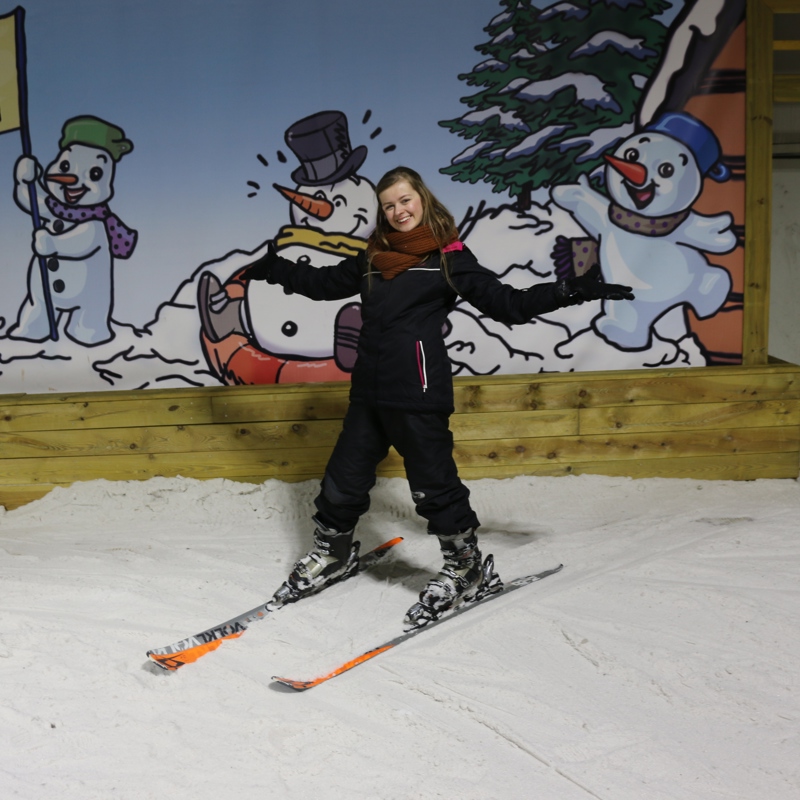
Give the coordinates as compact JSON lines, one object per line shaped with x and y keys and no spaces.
{"x":332,"y":212}
{"x":645,"y":235}
{"x":80,"y":237}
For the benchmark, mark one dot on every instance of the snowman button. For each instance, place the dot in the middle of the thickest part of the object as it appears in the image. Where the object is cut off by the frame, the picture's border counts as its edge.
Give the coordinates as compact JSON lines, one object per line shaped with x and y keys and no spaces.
{"x":58,"y":225}
{"x":59,"y":286}
{"x":52,"y":264}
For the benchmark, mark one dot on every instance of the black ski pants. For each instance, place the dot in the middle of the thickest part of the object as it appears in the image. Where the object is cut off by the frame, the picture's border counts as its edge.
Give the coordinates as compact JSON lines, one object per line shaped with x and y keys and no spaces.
{"x":425,"y":443}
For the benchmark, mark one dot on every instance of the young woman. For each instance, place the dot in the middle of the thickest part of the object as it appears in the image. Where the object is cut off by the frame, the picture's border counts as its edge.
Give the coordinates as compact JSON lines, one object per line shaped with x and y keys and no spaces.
{"x":409,"y":279}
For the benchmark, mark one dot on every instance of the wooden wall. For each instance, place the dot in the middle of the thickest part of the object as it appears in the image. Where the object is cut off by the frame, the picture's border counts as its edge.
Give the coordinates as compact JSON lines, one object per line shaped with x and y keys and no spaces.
{"x":718,"y":422}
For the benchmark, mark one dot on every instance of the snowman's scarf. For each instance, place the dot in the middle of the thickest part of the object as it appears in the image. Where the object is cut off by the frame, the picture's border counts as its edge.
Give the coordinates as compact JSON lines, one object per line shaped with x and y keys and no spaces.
{"x":338,"y":244}
{"x":577,"y":256}
{"x":121,"y":238}
{"x":641,"y":223}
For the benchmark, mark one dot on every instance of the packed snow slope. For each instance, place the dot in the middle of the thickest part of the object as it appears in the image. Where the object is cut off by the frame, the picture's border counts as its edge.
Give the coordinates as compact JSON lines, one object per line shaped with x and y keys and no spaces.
{"x":661,"y":663}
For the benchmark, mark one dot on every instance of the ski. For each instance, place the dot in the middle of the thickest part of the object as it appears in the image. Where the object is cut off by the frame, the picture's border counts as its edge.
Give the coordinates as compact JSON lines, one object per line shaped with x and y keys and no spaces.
{"x":187,"y":651}
{"x":376,"y":651}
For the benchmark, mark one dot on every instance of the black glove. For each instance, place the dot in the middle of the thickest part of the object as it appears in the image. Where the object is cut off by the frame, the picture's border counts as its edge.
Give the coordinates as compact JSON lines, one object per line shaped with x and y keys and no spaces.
{"x":574,"y":291}
{"x":260,"y":270}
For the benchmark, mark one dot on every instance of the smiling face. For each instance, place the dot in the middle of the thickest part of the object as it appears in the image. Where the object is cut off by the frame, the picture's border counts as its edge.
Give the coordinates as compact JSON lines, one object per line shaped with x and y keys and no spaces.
{"x":663,"y":177}
{"x":402,"y":206}
{"x":81,"y":176}
{"x":346,"y":207}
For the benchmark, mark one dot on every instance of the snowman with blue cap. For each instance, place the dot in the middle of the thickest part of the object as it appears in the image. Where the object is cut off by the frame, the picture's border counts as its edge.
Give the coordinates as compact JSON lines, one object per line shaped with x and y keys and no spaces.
{"x":80,"y":236}
{"x":644,"y":234}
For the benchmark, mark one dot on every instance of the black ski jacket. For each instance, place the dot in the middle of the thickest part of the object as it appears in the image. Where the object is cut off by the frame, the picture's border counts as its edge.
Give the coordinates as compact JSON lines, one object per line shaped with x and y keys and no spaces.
{"x":402,"y":358}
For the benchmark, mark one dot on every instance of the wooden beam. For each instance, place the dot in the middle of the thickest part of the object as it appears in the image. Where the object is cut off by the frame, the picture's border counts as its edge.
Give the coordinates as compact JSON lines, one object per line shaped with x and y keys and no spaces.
{"x":758,"y":190}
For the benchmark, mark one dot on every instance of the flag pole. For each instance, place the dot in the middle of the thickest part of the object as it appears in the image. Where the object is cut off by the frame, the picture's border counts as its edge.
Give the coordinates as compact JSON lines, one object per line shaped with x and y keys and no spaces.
{"x":25,"y":134}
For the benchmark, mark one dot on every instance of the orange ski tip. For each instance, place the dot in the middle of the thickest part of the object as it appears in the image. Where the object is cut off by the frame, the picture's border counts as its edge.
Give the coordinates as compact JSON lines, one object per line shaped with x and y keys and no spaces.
{"x":174,"y":661}
{"x":293,"y":684}
{"x":390,"y":543}
{"x":302,"y":685}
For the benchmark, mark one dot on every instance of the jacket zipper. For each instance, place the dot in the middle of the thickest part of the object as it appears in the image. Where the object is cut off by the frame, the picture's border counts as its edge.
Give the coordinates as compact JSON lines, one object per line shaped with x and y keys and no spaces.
{"x":423,"y":374}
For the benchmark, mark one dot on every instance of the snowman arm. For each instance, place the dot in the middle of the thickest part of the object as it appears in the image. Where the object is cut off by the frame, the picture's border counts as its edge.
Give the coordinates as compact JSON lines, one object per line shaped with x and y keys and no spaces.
{"x":80,"y":242}
{"x":336,"y":282}
{"x":714,"y":234}
{"x":26,"y":173}
{"x":588,"y":207}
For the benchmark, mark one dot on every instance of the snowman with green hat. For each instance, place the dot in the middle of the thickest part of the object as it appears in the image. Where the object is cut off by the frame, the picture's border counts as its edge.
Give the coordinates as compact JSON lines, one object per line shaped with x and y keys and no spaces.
{"x":79,"y":237}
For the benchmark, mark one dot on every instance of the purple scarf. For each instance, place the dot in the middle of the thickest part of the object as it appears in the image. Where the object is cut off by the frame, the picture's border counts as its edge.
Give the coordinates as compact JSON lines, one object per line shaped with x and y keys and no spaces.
{"x":121,"y":238}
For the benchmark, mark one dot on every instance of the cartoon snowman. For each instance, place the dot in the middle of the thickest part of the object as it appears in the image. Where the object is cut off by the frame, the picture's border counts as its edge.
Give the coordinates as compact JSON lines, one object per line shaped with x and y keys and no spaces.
{"x":645,"y":235}
{"x":80,"y":237}
{"x":332,"y":213}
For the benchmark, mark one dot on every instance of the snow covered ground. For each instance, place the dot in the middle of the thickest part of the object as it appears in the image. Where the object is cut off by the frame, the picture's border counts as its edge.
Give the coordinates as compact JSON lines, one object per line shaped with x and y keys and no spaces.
{"x":662,"y":662}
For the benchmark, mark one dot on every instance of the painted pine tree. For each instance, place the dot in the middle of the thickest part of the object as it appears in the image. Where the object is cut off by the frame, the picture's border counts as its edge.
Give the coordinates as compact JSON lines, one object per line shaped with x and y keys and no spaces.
{"x":558,"y":87}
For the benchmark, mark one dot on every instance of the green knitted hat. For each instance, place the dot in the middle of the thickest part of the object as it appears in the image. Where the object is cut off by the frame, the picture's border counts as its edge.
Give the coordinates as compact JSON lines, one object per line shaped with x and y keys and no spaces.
{"x":95,"y":132}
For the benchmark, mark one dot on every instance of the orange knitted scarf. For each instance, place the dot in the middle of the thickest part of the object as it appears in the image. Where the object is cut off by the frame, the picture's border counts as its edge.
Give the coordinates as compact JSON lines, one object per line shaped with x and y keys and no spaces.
{"x":407,"y":250}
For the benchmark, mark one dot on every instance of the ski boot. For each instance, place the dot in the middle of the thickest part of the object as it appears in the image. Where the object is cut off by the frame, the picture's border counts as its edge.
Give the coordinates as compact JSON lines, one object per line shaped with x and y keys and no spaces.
{"x":333,"y":559}
{"x":460,"y":580}
{"x":220,"y":315}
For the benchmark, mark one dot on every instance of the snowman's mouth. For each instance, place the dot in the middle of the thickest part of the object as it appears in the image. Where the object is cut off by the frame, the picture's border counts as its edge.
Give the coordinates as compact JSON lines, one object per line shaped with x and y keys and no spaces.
{"x":360,"y":219}
{"x":641,"y":196}
{"x":73,"y":196}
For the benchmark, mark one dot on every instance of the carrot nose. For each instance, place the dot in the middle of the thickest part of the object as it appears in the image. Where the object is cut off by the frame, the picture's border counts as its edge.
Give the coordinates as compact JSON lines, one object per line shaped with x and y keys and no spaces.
{"x":316,"y":206}
{"x":631,"y":171}
{"x":67,"y":180}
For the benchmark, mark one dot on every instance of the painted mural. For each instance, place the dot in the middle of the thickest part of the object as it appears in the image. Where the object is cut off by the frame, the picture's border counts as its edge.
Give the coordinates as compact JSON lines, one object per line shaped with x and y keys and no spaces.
{"x":152,"y":151}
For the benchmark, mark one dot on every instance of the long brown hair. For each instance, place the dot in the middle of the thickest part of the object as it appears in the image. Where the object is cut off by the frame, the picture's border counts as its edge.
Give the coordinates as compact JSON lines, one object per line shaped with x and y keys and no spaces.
{"x":434,"y":213}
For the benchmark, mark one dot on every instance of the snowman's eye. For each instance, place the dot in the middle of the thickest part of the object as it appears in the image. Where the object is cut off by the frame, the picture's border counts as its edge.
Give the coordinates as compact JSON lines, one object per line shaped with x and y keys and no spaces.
{"x":64,"y":166}
{"x":289,"y":328}
{"x":95,"y":173}
{"x":631,"y":154}
{"x":666,"y":170}
{"x":339,"y":201}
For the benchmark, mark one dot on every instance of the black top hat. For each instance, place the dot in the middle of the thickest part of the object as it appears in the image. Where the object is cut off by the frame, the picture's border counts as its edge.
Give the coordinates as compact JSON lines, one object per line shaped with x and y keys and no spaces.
{"x":322,"y":145}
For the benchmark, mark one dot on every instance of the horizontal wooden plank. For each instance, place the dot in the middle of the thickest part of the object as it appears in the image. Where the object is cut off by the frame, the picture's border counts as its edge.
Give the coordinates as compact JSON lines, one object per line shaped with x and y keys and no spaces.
{"x":201,"y":465}
{"x":685,"y":387}
{"x":310,"y":461}
{"x":746,"y":467}
{"x":223,"y":438}
{"x":517,"y":424}
{"x":161,"y":406}
{"x":181,"y":439}
{"x":16,"y":495}
{"x":669,"y":445}
{"x":694,"y":416}
{"x":325,"y":401}
{"x":540,"y":392}
{"x":129,"y":409}
{"x":786,"y":89}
